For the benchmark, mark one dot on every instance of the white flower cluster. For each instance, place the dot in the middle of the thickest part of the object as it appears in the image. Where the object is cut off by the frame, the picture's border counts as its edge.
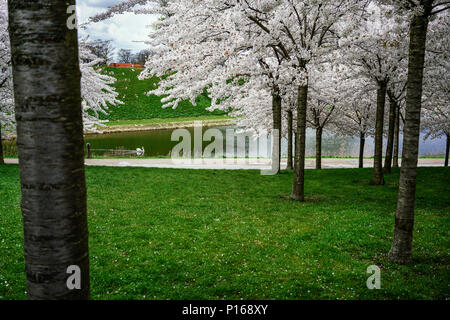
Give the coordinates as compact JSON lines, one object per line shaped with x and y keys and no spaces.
{"x":6,"y":91}
{"x":244,"y":52}
{"x":96,"y":89}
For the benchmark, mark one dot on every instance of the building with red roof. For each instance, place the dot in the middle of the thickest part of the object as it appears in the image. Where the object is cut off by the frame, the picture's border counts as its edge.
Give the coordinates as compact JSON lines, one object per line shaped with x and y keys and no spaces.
{"x":126,"y":65}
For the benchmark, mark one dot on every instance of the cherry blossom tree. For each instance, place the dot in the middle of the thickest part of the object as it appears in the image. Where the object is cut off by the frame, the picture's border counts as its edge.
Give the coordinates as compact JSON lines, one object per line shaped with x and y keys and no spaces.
{"x":96,"y":88}
{"x":158,"y":7}
{"x":204,"y":52}
{"x":356,"y":117}
{"x":208,"y":43}
{"x":327,"y":93}
{"x":376,"y":49}
{"x":301,"y":33}
{"x":436,"y":121}
{"x":419,"y":13}
{"x":6,"y":97}
{"x":396,"y":147}
{"x":396,"y":94}
{"x":289,"y":116}
{"x":97,"y":91}
{"x":436,"y":94}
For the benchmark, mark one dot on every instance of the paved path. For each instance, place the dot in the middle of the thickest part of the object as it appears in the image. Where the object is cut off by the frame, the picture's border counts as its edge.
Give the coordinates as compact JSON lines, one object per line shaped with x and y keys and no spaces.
{"x":232,"y":164}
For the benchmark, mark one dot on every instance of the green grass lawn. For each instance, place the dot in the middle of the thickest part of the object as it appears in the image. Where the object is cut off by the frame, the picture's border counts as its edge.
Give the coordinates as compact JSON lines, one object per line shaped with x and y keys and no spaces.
{"x":187,"y":234}
{"x":138,"y":105}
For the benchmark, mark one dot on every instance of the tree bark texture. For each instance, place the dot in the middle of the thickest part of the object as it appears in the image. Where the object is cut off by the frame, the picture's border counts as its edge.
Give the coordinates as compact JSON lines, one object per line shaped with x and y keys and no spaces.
{"x":319,"y":132}
{"x":396,"y":137}
{"x":276,"y":145}
{"x":401,"y":249}
{"x":447,"y":149}
{"x":298,"y":187}
{"x":46,"y":77}
{"x":378,"y":178}
{"x":1,"y":147}
{"x":290,"y":141}
{"x":390,"y":141}
{"x":362,"y":142}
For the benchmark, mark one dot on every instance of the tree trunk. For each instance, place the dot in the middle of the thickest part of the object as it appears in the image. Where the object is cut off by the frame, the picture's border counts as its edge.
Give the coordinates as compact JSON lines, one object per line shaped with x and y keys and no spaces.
{"x":46,"y":77}
{"x":298,"y":187}
{"x":276,"y":145}
{"x":362,"y":142}
{"x":447,"y":149}
{"x":319,"y":132}
{"x":390,"y":142}
{"x":396,"y":136}
{"x":377,"y":178}
{"x":1,"y":147}
{"x":404,"y":217}
{"x":290,"y":141}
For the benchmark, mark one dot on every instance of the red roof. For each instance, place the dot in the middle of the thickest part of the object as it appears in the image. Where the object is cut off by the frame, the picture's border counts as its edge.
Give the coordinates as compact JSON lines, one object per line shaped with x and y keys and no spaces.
{"x":126,"y":65}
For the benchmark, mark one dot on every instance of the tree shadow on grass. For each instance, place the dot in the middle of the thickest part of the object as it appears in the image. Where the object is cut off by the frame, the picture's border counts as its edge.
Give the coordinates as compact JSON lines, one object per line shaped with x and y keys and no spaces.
{"x":440,"y":259}
{"x":308,"y":198}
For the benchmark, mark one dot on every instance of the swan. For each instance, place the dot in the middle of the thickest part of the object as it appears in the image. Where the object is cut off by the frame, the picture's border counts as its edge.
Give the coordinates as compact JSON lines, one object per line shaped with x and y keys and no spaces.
{"x":140,"y":152}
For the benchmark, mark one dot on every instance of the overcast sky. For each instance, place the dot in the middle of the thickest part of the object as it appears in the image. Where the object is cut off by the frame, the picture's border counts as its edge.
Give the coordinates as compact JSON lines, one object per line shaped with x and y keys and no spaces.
{"x":123,"y":29}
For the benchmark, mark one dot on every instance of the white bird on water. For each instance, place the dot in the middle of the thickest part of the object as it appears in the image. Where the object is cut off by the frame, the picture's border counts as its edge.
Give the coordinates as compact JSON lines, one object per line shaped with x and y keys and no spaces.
{"x":140,"y":152}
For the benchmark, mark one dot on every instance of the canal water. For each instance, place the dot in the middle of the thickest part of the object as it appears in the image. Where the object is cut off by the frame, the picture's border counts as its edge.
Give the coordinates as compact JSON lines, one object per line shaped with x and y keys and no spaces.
{"x":159,"y":143}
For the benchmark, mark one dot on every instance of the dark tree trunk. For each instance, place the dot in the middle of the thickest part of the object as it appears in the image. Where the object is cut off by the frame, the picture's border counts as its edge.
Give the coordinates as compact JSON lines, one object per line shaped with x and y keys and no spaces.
{"x":319,"y":132}
{"x":390,"y":142}
{"x":298,"y":187}
{"x":50,"y":145}
{"x":404,"y":217}
{"x":378,"y":178}
{"x":276,"y":147}
{"x":447,"y":149}
{"x":362,"y":142}
{"x":1,"y":147}
{"x":396,"y":136}
{"x":290,"y":141}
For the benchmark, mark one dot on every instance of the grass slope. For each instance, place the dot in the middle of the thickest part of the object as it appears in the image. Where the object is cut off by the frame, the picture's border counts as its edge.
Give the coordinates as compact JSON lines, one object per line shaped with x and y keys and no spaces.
{"x":137,"y":105}
{"x":195,"y":234}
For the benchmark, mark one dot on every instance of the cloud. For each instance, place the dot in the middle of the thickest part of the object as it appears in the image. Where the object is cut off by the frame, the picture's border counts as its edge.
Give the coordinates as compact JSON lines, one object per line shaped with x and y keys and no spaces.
{"x":127,"y":31}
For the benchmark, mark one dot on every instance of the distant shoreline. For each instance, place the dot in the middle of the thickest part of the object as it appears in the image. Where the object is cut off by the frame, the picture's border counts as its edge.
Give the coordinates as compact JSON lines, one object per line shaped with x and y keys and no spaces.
{"x":161,"y":126}
{"x":154,"y":124}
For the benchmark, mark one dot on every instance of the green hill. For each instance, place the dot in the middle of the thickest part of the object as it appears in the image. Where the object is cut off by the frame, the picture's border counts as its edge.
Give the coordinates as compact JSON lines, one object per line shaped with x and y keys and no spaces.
{"x":138,"y":105}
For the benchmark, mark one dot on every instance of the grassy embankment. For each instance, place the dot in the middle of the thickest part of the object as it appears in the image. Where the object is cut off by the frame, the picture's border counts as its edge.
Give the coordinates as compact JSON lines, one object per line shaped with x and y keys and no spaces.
{"x":189,"y":234}
{"x":139,"y":108}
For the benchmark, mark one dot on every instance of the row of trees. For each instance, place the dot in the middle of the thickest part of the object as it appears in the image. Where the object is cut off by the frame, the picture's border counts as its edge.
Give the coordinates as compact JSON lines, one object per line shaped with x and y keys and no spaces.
{"x":104,"y":50}
{"x":127,"y":56}
{"x":259,"y":58}
{"x":318,"y":63}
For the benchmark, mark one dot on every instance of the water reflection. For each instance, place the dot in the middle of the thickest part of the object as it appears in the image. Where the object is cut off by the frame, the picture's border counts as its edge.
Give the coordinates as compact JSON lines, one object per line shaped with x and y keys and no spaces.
{"x":158,"y":143}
